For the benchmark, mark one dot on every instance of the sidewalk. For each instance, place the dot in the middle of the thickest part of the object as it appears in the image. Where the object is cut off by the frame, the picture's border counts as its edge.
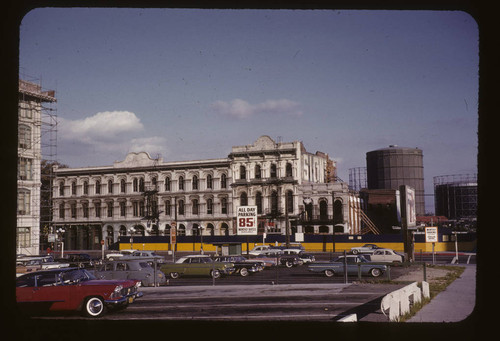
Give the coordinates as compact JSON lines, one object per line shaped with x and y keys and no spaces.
{"x":453,"y":304}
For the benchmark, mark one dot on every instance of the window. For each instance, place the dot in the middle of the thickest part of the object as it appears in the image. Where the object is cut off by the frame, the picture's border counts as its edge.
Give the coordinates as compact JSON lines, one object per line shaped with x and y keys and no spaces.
{"x":85,"y":187}
{"x":223,"y":203}
{"x":181,"y":207}
{"x":24,"y":138}
{"x":135,"y":208}
{"x":210,"y":206}
{"x":85,"y":208}
{"x":195,"y":182}
{"x":123,"y":186}
{"x":110,"y":186}
{"x":167,"y":184}
{"x":135,"y":185}
{"x":258,"y":202}
{"x":168,"y":207}
{"x":141,"y":208}
{"x":25,"y":109}
{"x":141,"y":185}
{"x":97,"y":187}
{"x":25,"y":169}
{"x":123,"y":208}
{"x":274,"y":202}
{"x":289,"y":170}
{"x":209,"y":181}
{"x":61,"y":210}
{"x":23,"y":237}
{"x":243,"y":199}
{"x":273,"y":170}
{"x":61,"y":188}
{"x":97,"y":206}
{"x":223,"y":181}
{"x":243,"y":172}
{"x":181,"y":183}
{"x":73,"y":188}
{"x":195,"y":206}
{"x":110,"y":209}
{"x":23,"y":202}
{"x":258,"y":174}
{"x":73,"y":210}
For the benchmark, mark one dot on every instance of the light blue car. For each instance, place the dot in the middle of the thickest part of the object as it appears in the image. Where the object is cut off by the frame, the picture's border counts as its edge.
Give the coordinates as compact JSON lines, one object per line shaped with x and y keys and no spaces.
{"x":354,"y":263}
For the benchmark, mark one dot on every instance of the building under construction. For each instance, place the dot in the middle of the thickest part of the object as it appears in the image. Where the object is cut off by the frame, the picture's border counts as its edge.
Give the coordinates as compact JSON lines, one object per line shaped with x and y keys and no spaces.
{"x":456,"y":196}
{"x":37,"y":143}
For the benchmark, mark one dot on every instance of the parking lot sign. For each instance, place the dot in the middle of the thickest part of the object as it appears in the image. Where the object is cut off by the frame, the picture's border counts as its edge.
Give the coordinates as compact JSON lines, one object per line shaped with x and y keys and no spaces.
{"x":431,"y":234}
{"x":246,"y":220}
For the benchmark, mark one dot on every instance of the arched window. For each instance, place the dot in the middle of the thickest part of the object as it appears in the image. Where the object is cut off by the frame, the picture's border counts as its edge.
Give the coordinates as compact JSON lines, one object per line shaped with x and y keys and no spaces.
{"x":223,"y":181}
{"x":167,"y":184}
{"x":181,"y":183}
{"x":135,"y":185}
{"x":141,"y":185}
{"x":85,"y":187}
{"x":323,"y":210}
{"x":258,"y":174}
{"x":274,"y":202}
{"x":243,"y":172}
{"x":168,"y":206}
{"x":258,"y":202}
{"x":209,"y":181}
{"x":195,"y":182}
{"x":97,"y":187}
{"x":210,"y":206}
{"x":110,"y":186}
{"x":61,"y":188}
{"x":243,"y":199}
{"x":123,"y":186}
{"x":223,"y":205}
{"x":181,"y":207}
{"x":289,"y":170}
{"x":73,"y":188}
{"x":195,"y":207}
{"x":273,"y":170}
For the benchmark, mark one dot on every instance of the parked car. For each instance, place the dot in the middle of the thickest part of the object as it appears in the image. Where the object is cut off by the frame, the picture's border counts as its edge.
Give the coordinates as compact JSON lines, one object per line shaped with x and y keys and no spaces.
{"x":81,"y":260}
{"x":258,"y":250}
{"x":147,"y":255}
{"x":73,"y":289}
{"x":305,"y":257}
{"x":242,"y":266}
{"x":292,"y":245}
{"x":354,"y":262}
{"x":130,"y":269}
{"x":385,"y":256}
{"x":367,"y":248}
{"x":267,"y":261}
{"x":287,"y":260}
{"x":119,"y":254}
{"x":197,"y":265}
{"x":44,"y":262}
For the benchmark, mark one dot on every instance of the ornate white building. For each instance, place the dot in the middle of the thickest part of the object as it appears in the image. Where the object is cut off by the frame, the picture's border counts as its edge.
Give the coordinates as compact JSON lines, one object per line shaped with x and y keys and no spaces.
{"x":145,"y":196}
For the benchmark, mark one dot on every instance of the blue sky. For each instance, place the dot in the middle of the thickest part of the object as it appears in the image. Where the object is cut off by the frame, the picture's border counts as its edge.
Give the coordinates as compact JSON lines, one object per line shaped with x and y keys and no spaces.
{"x":189,"y":83}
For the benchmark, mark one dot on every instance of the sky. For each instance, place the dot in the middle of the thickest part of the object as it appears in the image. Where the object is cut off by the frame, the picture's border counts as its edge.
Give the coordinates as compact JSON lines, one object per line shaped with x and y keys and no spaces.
{"x":188,"y":84}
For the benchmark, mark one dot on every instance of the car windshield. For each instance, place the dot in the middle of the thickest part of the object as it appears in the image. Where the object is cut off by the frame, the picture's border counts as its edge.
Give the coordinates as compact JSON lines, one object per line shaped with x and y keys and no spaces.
{"x":79,"y":275}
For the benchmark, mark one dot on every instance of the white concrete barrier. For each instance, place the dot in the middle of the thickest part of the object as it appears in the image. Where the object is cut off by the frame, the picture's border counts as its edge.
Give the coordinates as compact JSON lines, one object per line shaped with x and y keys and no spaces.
{"x":397,"y":303}
{"x":349,"y":318}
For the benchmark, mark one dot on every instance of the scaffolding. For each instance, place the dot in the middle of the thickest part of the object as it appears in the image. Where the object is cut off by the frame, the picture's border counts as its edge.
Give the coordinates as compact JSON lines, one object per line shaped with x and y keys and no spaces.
{"x":37,"y":152}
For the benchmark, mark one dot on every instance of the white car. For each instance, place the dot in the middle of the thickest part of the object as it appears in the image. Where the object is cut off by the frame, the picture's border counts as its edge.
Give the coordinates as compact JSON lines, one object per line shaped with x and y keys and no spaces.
{"x":367,"y":248}
{"x":115,"y":255}
{"x":258,"y":250}
{"x":385,"y":256}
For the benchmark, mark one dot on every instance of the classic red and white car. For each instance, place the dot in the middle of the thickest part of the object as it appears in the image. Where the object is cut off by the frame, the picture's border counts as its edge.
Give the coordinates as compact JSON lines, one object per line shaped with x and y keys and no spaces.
{"x":73,"y":289}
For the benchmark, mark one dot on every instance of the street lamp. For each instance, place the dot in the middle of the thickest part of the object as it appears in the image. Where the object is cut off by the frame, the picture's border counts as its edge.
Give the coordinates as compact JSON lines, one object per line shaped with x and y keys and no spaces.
{"x":201,"y":239}
{"x":131,"y":231}
{"x":60,"y":231}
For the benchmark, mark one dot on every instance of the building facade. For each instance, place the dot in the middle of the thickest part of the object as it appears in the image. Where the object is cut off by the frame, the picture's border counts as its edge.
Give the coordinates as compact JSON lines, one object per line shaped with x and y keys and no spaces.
{"x":29,"y":152}
{"x":145,"y":196}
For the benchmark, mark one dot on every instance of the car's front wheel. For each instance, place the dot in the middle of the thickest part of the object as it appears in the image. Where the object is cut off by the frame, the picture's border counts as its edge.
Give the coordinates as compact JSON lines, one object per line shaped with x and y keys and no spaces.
{"x":329,"y":273}
{"x":174,"y":275}
{"x":244,"y":272}
{"x":215,"y":273}
{"x":355,"y":252}
{"x":94,"y":307}
{"x":375,"y":272}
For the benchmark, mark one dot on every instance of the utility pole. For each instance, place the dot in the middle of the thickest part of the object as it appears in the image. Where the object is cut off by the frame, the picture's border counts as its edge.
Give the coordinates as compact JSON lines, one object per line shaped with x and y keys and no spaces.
{"x":333,"y":221}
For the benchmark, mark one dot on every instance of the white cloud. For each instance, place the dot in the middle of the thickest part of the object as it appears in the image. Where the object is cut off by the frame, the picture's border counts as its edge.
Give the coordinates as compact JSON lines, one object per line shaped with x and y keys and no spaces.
{"x":103,"y":126}
{"x":153,"y":145}
{"x":241,"y":109}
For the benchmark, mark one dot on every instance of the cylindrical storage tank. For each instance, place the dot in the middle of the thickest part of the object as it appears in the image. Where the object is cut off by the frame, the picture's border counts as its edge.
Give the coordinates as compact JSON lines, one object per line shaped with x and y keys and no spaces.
{"x":456,"y":196}
{"x":389,"y":168}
